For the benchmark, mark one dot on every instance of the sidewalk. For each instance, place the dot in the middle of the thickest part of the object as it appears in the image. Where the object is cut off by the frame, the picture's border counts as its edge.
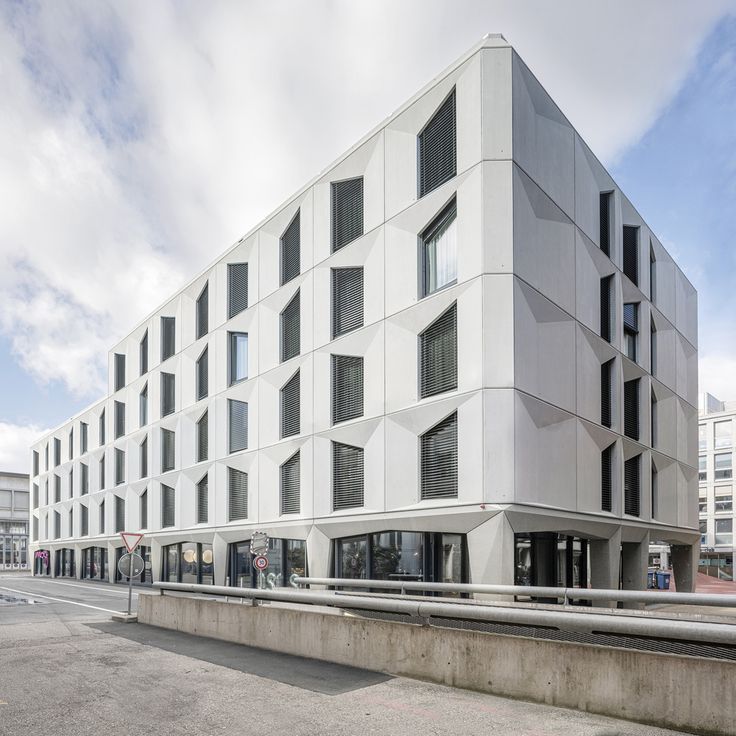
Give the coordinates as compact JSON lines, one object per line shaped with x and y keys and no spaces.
{"x":703,"y":584}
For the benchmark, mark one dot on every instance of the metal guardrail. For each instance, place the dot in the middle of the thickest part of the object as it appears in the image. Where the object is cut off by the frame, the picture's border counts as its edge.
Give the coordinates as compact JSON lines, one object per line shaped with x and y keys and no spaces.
{"x":587,"y":622}
{"x":565,"y":594}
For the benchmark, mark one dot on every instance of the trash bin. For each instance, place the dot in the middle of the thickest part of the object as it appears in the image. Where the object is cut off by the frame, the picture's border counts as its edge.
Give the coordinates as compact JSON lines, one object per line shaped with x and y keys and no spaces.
{"x":663,"y":580}
{"x":651,"y":579}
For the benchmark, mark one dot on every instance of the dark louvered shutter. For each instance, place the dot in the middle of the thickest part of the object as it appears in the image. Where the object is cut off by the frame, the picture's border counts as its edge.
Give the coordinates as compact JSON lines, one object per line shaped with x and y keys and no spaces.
{"x":347,"y":476}
{"x":102,"y":517}
{"x":84,"y":479}
{"x":290,"y":250}
{"x":168,"y":393}
{"x":606,"y":388}
{"x":71,"y":443}
{"x":143,"y":406}
{"x":347,"y":211}
{"x":71,"y":482}
{"x":238,"y":424}
{"x":57,"y":488}
{"x":605,"y":222}
{"x":168,"y":337}
{"x":631,"y":317}
{"x":291,"y":406}
{"x":237,"y":485}
{"x":57,"y":524}
{"x":606,"y":296}
{"x":347,"y":300}
{"x":119,"y":514}
{"x":84,"y":520}
{"x":167,"y":450}
{"x":290,"y":485}
{"x":119,"y":419}
{"x":438,"y":355}
{"x":103,"y":478}
{"x":119,"y":467}
{"x":290,"y":329}
{"x":439,"y":460}
{"x":203,"y":500}
{"x":347,"y":387}
{"x":143,"y":354}
{"x":57,"y":451}
{"x":631,"y":253}
{"x":237,"y":288}
{"x":168,"y":506}
{"x":438,"y":148}
{"x":83,"y":437}
{"x":35,"y":495}
{"x":203,"y":437}
{"x":144,"y":458}
{"x":119,"y":371}
{"x":631,"y":409}
{"x":144,"y":509}
{"x":607,"y":479}
{"x":203,"y":374}
{"x":632,"y":488}
{"x":203,"y":311}
{"x":35,"y":463}
{"x":46,"y":455}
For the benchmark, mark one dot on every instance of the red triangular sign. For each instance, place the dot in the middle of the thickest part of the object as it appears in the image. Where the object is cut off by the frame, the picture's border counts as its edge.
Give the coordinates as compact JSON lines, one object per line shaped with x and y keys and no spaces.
{"x":131,"y":540}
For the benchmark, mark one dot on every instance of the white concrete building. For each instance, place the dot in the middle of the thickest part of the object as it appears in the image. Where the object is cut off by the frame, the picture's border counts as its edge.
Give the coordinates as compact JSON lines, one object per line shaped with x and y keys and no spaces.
{"x":458,"y":354}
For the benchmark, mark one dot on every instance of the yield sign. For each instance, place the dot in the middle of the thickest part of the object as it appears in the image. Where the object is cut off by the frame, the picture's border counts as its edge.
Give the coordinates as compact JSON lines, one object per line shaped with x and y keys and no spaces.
{"x":131,"y":540}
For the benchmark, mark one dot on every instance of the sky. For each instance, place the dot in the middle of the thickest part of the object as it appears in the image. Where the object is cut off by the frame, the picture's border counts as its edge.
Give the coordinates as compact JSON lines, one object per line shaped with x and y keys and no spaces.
{"x":139,"y":140}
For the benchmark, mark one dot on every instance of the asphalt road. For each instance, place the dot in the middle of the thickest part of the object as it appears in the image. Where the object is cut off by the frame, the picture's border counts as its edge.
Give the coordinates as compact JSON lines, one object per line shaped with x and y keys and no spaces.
{"x":67,"y":670}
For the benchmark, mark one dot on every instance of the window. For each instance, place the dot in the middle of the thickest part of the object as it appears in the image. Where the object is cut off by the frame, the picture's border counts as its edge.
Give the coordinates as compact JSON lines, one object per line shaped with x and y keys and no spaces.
{"x":143,"y":406}
{"x":702,"y":469}
{"x":103,"y":480}
{"x":168,"y":393}
{"x":119,"y":514}
{"x":607,"y":478}
{"x":168,"y":506}
{"x":46,"y":453}
{"x":631,"y":409}
{"x":655,"y":491}
{"x":102,"y":517}
{"x":168,"y":337}
{"x":35,"y":497}
{"x":57,"y":488}
{"x":702,"y":438}
{"x":84,"y":520}
{"x":724,"y":500}
{"x":119,"y":371}
{"x":202,"y":500}
{"x":652,"y":274}
{"x":290,"y":250}
{"x":119,"y":419}
{"x":438,"y":355}
{"x":439,"y":251}
{"x":167,"y":450}
{"x":722,"y":434}
{"x":286,"y":557}
{"x":439,"y":460}
{"x":237,"y":486}
{"x":703,"y":531}
{"x":119,"y":466}
{"x":144,"y":458}
{"x":290,"y":406}
{"x":290,"y":326}
{"x":606,"y":217}
{"x":631,"y":253}
{"x":347,"y":387}
{"x":238,"y":359}
{"x":35,"y":463}
{"x":202,"y":309}
{"x":607,"y":392}
{"x":237,"y":425}
{"x":188,"y":562}
{"x":143,"y":509}
{"x":606,"y":311}
{"x":57,"y":525}
{"x":632,"y":489}
{"x":723,"y":466}
{"x":631,"y":330}
{"x":347,"y":300}
{"x":347,"y":476}
{"x":347,"y":211}
{"x":202,"y":375}
{"x":71,"y":482}
{"x":724,"y":531}
{"x":143,"y":354}
{"x":653,"y":418}
{"x":102,"y":428}
{"x":653,"y":347}
{"x":203,"y":437}
{"x":83,"y":437}
{"x":237,"y":288}
{"x":437,"y":147}
{"x":71,"y":443}
{"x":702,"y":506}
{"x":57,"y":452}
{"x":290,"y":484}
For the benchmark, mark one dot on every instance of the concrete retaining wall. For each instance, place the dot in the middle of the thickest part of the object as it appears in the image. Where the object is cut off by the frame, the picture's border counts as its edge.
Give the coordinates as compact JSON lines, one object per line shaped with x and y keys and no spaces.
{"x":685,"y":693}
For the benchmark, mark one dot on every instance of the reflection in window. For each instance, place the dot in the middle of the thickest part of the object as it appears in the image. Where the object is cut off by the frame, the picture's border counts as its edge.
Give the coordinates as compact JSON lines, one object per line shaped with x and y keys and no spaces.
{"x":286,"y":557}
{"x":238,"y":357}
{"x":722,"y":434}
{"x":724,"y":531}
{"x":724,"y":500}
{"x":723,"y":466}
{"x":439,"y":251}
{"x":702,"y":469}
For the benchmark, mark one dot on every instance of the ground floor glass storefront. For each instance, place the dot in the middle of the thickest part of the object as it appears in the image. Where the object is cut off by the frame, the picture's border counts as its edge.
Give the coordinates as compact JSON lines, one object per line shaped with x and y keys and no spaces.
{"x":188,"y":562}
{"x":94,"y":563}
{"x":146,"y":578}
{"x":13,"y":545}
{"x":286,"y":557}
{"x":716,"y":564}
{"x":65,"y":563}
{"x":552,"y":560}
{"x":42,"y":562}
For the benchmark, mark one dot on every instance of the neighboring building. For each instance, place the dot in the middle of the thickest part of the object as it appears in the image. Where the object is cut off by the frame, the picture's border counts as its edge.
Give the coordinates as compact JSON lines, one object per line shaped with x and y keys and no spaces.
{"x":458,"y":354}
{"x":14,"y":517}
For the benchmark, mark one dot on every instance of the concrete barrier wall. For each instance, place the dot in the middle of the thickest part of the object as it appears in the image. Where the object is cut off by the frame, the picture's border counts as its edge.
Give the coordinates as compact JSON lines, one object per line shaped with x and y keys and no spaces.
{"x":685,"y":693}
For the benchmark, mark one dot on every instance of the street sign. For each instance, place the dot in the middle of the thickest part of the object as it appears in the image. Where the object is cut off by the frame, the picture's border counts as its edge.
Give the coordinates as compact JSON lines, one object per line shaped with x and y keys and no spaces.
{"x":131,"y":540}
{"x":258,"y":544}
{"x":260,"y":563}
{"x":131,"y":565}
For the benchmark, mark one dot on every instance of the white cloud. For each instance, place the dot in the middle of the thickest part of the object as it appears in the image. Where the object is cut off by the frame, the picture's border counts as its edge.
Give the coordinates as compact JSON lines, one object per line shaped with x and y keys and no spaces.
{"x":14,"y":443}
{"x":717,"y":376}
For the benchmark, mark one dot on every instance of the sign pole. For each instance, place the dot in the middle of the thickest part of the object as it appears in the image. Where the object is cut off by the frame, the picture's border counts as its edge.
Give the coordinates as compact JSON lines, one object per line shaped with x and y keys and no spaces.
{"x":130,"y":583}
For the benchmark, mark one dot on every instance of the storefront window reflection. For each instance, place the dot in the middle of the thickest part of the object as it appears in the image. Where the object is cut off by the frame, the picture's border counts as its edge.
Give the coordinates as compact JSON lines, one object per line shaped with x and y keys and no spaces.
{"x":189,"y":562}
{"x":286,"y":557}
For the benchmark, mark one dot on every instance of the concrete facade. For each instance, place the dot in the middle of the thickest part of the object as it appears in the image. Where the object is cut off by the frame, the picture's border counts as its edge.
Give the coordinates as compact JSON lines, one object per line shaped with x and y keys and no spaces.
{"x":528,"y":395}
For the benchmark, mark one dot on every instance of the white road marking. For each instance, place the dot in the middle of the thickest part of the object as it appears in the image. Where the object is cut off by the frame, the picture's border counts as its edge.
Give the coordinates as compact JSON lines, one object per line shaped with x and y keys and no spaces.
{"x":90,"y":586}
{"x":59,"y":600}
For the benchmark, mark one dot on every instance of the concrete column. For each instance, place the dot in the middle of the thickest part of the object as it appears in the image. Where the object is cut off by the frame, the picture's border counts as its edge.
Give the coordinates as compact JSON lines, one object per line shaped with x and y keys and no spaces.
{"x":491,"y":554}
{"x":605,"y":560}
{"x":52,"y":562}
{"x":318,"y":554}
{"x":156,"y":561}
{"x":635,"y":561}
{"x":685,"y":558}
{"x":77,"y":561}
{"x":112,"y":564}
{"x":219,"y":554}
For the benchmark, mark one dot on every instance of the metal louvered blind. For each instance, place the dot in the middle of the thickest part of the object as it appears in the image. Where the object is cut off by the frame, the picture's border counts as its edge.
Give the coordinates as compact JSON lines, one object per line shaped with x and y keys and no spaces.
{"x":347,"y":211}
{"x":102,"y":517}
{"x":168,"y":337}
{"x":71,"y":443}
{"x":35,"y":463}
{"x":606,"y":387}
{"x":203,"y":437}
{"x":237,"y":486}
{"x":168,"y":506}
{"x":438,"y":355}
{"x":71,"y":482}
{"x":144,"y":509}
{"x":35,"y":495}
{"x":119,"y":467}
{"x":83,"y":479}
{"x":607,"y":479}
{"x":606,"y":296}
{"x":103,"y":479}
{"x":46,"y":455}
{"x":631,"y":253}
{"x":119,"y":514}
{"x":290,"y":484}
{"x":238,"y":424}
{"x":119,"y":371}
{"x":605,"y":222}
{"x":57,"y":524}
{"x":631,"y":409}
{"x":347,"y":300}
{"x":84,"y":520}
{"x":143,"y":354}
{"x":438,"y":147}
{"x":291,"y":406}
{"x":144,"y":458}
{"x":632,"y":487}
{"x":168,"y":393}
{"x":347,"y":476}
{"x":290,"y":329}
{"x":203,"y":311}
{"x":167,"y":450}
{"x":119,"y":419}
{"x":290,"y":250}
{"x":143,"y":406}
{"x":57,"y":451}
{"x":347,"y":387}
{"x":631,"y":317}
{"x":237,"y":288}
{"x":202,"y":500}
{"x":439,"y":460}
{"x":203,"y":374}
{"x":57,"y":488}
